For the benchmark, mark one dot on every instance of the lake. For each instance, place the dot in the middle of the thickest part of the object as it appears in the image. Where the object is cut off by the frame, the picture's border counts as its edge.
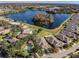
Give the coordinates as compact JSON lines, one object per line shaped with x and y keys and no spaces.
{"x":27,"y":17}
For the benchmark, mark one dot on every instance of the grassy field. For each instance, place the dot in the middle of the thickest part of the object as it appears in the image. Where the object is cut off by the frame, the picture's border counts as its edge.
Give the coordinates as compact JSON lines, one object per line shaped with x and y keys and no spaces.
{"x":6,"y":11}
{"x":76,"y":52}
{"x":1,"y":37}
{"x":45,"y":31}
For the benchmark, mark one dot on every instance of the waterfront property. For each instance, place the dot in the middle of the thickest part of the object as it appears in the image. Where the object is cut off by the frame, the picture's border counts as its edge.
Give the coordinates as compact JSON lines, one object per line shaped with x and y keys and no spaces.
{"x":24,"y":31}
{"x":63,"y":38}
{"x":20,"y":37}
{"x":42,"y":42}
{"x":53,"y":40}
{"x":4,"y":31}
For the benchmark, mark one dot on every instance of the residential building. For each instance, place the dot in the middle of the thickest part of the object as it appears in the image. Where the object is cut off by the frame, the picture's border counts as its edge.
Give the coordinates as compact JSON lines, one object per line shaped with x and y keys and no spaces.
{"x":63,"y":38}
{"x":42,"y":42}
{"x":53,"y":40}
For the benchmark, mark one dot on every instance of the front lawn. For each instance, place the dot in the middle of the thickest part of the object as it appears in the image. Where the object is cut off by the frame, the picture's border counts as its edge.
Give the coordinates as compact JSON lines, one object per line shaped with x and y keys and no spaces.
{"x":45,"y":31}
{"x":1,"y":37}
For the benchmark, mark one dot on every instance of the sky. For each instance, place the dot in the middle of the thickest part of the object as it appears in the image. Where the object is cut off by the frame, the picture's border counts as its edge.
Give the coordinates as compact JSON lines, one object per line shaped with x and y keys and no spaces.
{"x":59,"y":2}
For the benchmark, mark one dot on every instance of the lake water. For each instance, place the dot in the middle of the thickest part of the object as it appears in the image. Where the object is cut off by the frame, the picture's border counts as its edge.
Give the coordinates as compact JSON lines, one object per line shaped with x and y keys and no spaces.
{"x":27,"y":17}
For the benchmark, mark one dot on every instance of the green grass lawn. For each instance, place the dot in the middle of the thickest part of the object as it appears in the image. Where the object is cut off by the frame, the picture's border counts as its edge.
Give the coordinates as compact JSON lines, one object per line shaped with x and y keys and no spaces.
{"x":1,"y":37}
{"x":76,"y":52}
{"x":66,"y":57}
{"x":6,"y":11}
{"x":45,"y":31}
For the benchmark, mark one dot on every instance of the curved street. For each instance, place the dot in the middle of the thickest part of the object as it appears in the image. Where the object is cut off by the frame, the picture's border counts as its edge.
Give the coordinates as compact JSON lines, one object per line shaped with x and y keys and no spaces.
{"x":63,"y":53}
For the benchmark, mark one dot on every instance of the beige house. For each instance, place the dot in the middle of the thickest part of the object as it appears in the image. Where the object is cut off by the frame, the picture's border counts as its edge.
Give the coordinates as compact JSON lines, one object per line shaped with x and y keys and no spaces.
{"x":4,"y":31}
{"x":53,"y":40}
{"x":42,"y":42}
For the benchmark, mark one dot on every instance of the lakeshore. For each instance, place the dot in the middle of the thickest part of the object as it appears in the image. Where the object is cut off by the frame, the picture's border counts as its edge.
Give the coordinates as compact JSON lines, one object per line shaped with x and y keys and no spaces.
{"x":20,"y":37}
{"x":44,"y":31}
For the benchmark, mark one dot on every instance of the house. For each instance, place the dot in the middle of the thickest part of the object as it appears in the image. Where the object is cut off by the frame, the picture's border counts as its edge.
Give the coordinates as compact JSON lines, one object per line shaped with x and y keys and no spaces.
{"x":70,"y":34}
{"x":30,"y":44}
{"x":63,"y":38}
{"x":54,"y":9}
{"x":24,"y":32}
{"x":77,"y":29}
{"x":42,"y":42}
{"x":71,"y":28}
{"x":14,"y":23}
{"x":53,"y":40}
{"x":4,"y":31}
{"x":10,"y":39}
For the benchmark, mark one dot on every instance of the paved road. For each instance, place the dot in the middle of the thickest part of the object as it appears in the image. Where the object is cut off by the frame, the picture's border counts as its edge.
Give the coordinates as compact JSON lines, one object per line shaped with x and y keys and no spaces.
{"x":63,"y":53}
{"x":75,"y":20}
